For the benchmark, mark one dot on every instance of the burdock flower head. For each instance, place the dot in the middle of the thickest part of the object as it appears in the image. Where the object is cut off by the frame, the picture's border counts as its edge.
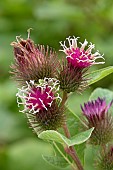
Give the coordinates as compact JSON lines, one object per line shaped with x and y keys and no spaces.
{"x":33,"y":62}
{"x":78,"y":61}
{"x":106,"y":160}
{"x":42,"y":104}
{"x":78,"y":56}
{"x":96,"y":113}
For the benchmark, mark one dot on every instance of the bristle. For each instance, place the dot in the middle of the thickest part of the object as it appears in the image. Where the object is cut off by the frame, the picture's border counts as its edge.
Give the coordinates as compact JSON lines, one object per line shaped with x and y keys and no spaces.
{"x":72,"y":79}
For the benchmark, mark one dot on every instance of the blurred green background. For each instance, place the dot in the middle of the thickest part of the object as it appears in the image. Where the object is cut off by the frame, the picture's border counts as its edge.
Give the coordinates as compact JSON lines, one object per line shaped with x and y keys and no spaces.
{"x":52,"y":21}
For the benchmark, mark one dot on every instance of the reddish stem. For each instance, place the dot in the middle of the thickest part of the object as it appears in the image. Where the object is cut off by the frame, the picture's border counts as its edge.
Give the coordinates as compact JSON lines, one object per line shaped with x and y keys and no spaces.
{"x":70,"y":150}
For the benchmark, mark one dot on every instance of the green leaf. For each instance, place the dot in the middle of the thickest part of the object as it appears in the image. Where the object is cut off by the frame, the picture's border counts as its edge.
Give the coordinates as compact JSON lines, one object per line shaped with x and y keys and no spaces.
{"x":52,"y":135}
{"x":99,"y":74}
{"x":74,"y":120}
{"x":56,"y":161}
{"x":91,"y":155}
{"x":81,"y":137}
{"x":102,"y":93}
{"x":80,"y":149}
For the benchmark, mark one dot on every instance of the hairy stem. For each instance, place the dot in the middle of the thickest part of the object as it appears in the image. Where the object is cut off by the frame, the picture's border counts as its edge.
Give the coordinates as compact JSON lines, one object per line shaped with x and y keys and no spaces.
{"x":70,"y":150}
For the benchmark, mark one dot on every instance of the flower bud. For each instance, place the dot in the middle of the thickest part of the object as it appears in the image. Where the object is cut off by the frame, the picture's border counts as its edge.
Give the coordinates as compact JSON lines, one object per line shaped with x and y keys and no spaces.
{"x":41,"y":104}
{"x":97,"y":115}
{"x":72,"y":79}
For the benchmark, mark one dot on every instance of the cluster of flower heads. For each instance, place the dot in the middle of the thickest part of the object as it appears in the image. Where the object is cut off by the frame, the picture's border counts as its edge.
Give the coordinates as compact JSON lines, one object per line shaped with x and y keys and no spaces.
{"x":38,"y":71}
{"x":42,"y":78}
{"x":34,"y":62}
{"x":97,"y":115}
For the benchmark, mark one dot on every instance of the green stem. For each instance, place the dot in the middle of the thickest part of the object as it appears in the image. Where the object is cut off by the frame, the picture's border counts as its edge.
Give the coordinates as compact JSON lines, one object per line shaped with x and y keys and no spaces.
{"x":70,"y":163}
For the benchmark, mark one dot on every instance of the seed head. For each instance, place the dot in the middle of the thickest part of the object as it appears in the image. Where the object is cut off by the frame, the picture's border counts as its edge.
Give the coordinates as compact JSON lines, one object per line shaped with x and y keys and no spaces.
{"x":33,"y":62}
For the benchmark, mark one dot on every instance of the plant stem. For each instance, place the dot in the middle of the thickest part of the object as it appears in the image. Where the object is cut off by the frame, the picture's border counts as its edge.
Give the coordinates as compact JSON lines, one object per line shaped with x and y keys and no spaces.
{"x":70,"y":163}
{"x":70,"y":150}
{"x":64,"y":98}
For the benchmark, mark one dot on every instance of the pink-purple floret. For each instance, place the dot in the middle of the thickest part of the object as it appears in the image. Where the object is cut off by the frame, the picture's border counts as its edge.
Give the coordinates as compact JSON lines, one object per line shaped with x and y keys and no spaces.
{"x":79,"y":58}
{"x":39,"y":98}
{"x":96,"y":108}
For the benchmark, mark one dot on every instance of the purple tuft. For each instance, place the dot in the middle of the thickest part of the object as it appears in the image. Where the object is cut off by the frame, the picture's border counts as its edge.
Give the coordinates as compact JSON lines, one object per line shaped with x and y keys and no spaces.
{"x":39,"y":98}
{"x":96,"y":108}
{"x":78,"y":56}
{"x":98,"y":116}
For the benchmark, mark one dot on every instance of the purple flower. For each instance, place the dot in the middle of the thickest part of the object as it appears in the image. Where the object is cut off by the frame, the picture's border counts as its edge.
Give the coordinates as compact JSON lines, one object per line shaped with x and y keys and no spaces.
{"x":96,"y":113}
{"x":78,"y":56}
{"x":96,"y":109}
{"x":42,"y":103}
{"x":39,"y":98}
{"x":73,"y":72}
